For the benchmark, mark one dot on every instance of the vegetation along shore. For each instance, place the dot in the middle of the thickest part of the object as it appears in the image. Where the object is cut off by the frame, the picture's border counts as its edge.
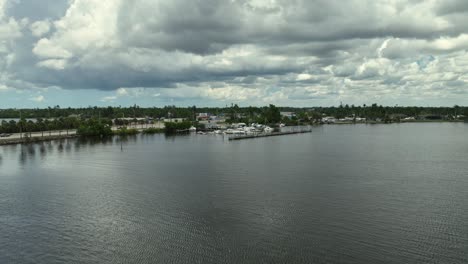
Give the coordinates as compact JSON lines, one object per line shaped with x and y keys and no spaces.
{"x":27,"y":125}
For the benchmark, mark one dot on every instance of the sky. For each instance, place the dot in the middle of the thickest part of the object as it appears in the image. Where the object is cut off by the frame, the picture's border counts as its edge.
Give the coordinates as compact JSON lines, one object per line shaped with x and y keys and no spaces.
{"x":299,"y":53}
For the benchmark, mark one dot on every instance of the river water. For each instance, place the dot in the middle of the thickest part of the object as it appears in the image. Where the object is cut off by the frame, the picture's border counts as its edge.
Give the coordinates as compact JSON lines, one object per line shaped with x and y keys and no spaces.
{"x":341,"y":194}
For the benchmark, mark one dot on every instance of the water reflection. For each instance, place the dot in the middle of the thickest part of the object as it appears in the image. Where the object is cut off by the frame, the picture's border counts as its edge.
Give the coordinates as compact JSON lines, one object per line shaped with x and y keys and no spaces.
{"x":68,"y":146}
{"x":127,"y":139}
{"x":22,"y":157}
{"x":89,"y":142}
{"x":28,"y":152}
{"x":173,"y":137}
{"x":50,"y":147}
{"x":311,"y":198}
{"x":60,"y":146}
{"x":42,"y":150}
{"x":31,"y":150}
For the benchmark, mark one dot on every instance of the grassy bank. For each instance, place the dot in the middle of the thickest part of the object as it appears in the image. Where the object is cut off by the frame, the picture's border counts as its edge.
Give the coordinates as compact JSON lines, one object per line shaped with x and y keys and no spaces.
{"x":125,"y":132}
{"x":401,"y":122}
{"x":133,"y":131}
{"x":153,"y":130}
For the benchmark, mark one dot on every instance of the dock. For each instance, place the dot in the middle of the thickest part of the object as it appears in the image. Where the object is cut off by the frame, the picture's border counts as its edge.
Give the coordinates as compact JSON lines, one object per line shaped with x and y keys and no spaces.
{"x":273,"y":134}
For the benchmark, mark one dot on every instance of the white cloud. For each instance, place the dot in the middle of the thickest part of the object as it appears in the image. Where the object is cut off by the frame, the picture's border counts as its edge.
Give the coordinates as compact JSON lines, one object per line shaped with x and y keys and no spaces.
{"x":108,"y":99}
{"x":3,"y":88}
{"x":3,"y":5}
{"x":122,"y":92}
{"x":38,"y":99}
{"x":303,"y":77}
{"x":10,"y":29}
{"x":87,"y":24}
{"x":44,"y":48}
{"x":55,"y":64}
{"x":207,"y":91}
{"x":40,"y":28}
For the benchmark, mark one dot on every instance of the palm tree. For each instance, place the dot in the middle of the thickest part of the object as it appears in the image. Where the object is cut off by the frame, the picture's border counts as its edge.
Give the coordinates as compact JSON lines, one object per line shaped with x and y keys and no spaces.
{"x":40,"y":125}
{"x":22,"y":126}
{"x":30,"y":127}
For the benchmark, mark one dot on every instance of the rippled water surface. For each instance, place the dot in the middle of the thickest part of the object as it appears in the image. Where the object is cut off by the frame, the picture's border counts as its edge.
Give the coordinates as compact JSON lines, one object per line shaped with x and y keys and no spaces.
{"x":341,"y":194}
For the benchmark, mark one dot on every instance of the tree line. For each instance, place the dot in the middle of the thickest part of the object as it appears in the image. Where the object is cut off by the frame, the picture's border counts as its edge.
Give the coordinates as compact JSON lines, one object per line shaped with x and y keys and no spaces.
{"x":41,"y":125}
{"x":232,"y":112}
{"x":56,"y":118}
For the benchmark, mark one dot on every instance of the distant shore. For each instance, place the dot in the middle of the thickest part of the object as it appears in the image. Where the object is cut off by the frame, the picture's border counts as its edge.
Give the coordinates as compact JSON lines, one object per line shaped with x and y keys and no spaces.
{"x":401,"y":122}
{"x":17,"y":138}
{"x":56,"y":135}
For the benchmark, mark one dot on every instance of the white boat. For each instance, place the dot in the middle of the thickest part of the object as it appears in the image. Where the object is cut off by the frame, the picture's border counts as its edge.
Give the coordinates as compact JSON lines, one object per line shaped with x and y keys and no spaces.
{"x":239,"y":125}
{"x":251,"y":130}
{"x":192,"y":129}
{"x":268,"y":129}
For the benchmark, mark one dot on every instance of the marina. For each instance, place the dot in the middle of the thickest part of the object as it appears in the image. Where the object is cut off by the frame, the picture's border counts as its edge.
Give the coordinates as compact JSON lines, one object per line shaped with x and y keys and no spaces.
{"x":272,"y":134}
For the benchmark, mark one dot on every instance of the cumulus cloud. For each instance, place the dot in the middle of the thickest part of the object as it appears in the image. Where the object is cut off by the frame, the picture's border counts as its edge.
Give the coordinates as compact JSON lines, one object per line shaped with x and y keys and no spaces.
{"x":38,"y":99}
{"x":10,"y":28}
{"x":56,"y":64}
{"x":44,"y":48}
{"x":122,"y":92}
{"x":290,"y":52}
{"x":39,"y":28}
{"x":108,"y":99}
{"x":3,"y":87}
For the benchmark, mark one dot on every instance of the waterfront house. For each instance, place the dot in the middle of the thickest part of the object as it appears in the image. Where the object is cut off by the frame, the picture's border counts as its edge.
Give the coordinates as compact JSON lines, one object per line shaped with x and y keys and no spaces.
{"x":174,"y":120}
{"x":288,"y":114}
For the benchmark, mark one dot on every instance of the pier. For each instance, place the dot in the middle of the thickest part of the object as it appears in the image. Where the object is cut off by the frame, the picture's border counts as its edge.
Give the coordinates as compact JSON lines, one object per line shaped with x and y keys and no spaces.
{"x":273,"y":134}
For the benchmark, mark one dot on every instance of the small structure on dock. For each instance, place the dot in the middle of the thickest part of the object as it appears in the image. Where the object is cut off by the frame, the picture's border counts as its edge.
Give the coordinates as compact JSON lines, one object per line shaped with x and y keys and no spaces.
{"x":240,"y":137}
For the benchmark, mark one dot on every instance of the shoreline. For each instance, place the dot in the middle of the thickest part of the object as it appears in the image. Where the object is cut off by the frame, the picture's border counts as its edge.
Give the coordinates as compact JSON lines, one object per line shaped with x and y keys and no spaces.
{"x":15,"y":141}
{"x":35,"y":139}
{"x":390,"y":123}
{"x":241,"y":137}
{"x":61,"y":134}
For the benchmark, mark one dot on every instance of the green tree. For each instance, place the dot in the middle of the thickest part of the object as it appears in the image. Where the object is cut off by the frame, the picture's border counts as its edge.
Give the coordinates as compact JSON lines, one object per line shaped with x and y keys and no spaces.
{"x":173,"y":127}
{"x":93,"y":127}
{"x":272,"y":114}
